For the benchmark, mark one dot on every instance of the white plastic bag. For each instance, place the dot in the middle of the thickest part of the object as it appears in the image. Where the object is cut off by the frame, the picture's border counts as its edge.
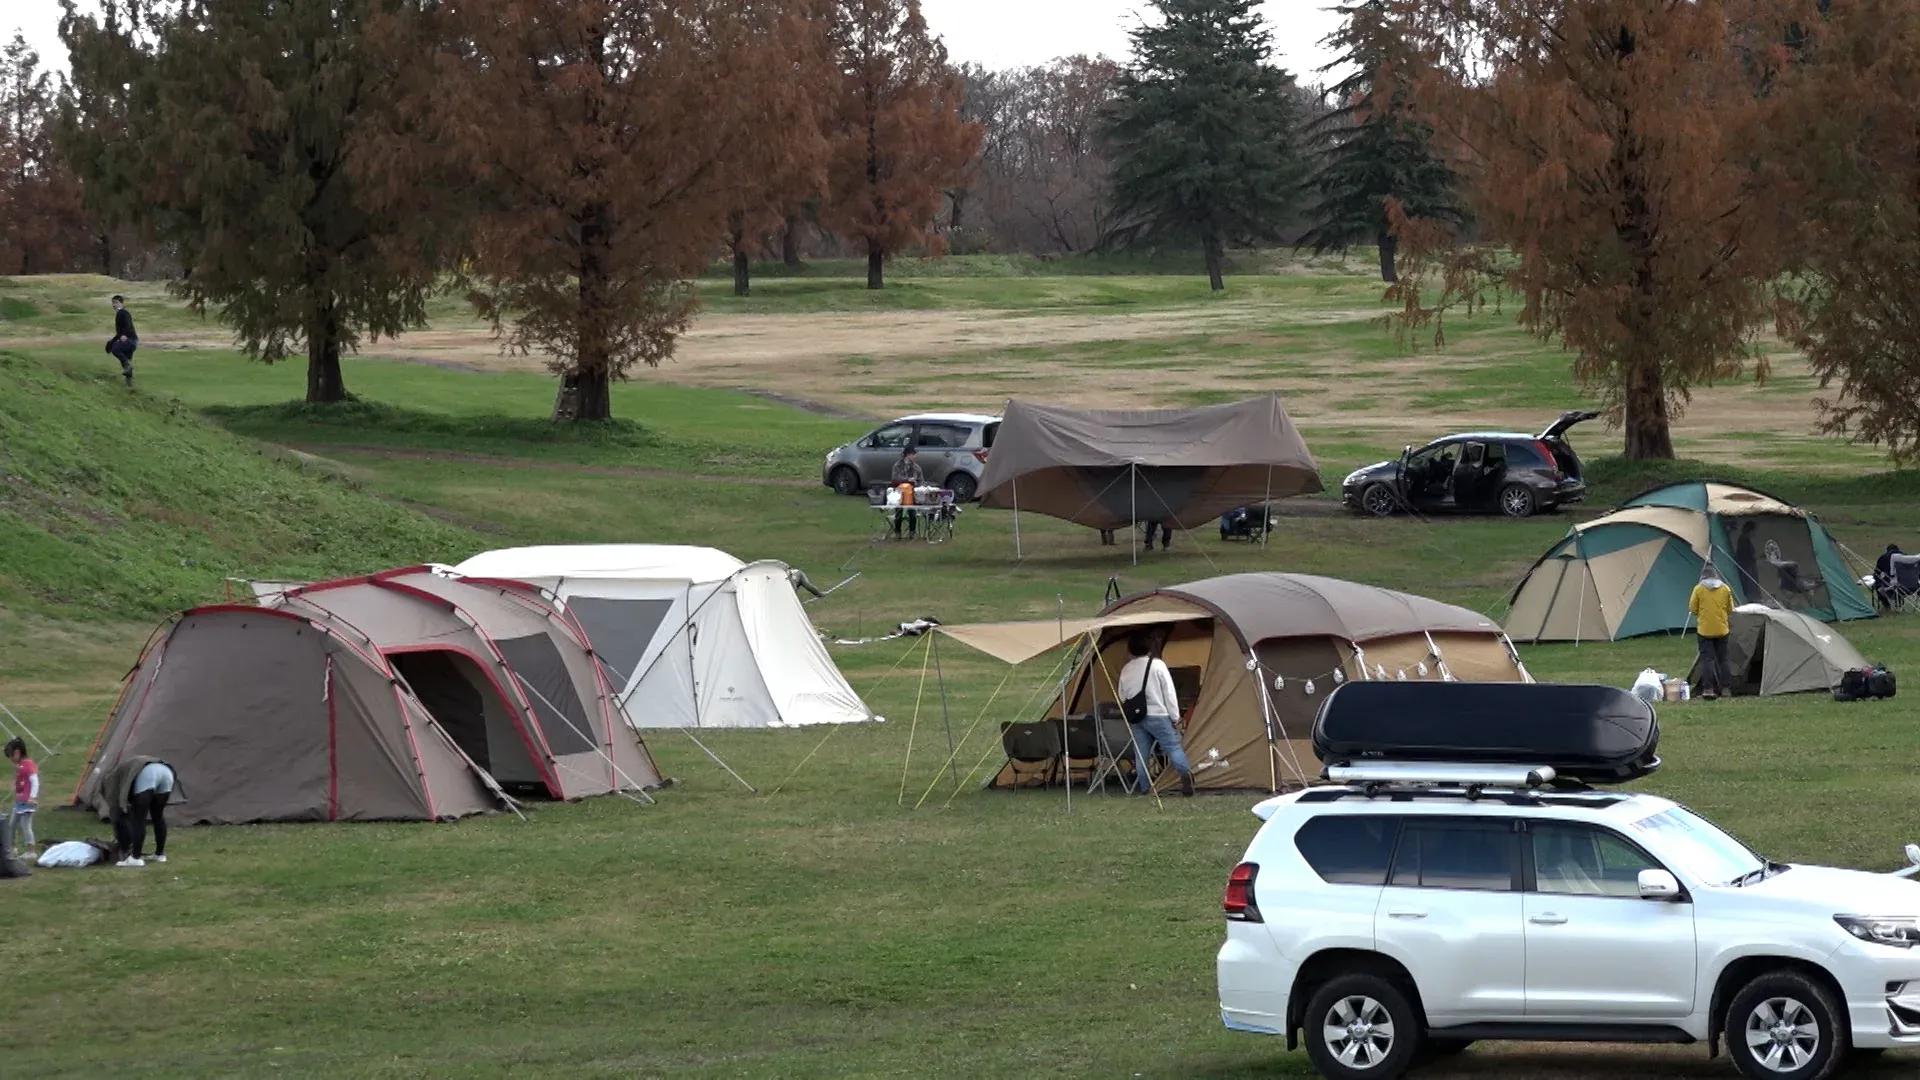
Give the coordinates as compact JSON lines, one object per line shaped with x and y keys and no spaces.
{"x":71,"y":853}
{"x":1650,"y":686}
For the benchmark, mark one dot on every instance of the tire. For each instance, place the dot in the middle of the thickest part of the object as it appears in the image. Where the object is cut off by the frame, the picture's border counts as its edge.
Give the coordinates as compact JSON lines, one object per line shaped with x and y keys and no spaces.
{"x":845,"y":480}
{"x":964,"y":487}
{"x":1517,"y":501}
{"x":1785,"y":1026}
{"x":1379,"y":500}
{"x":1376,"y":1033}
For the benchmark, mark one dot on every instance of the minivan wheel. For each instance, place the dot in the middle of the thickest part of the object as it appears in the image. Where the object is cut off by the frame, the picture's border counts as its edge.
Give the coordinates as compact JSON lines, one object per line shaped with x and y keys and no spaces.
{"x":845,"y":480}
{"x":1361,"y":1026}
{"x":963,"y":486}
{"x":1516,"y":501}
{"x":1379,"y":500}
{"x":1786,"y":1026}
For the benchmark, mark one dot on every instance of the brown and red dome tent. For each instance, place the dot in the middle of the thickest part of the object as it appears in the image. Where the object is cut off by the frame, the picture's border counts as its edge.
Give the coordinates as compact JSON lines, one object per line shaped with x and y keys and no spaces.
{"x":272,"y":715}
{"x":511,"y":677}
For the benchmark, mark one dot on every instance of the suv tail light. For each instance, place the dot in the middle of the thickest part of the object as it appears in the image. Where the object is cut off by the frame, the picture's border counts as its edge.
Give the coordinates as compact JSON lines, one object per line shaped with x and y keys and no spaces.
{"x":1239,"y":904}
{"x":980,"y":456}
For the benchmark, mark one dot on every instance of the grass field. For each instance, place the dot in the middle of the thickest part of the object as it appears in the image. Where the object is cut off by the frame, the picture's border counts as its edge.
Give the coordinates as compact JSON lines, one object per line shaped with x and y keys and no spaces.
{"x":826,"y":929}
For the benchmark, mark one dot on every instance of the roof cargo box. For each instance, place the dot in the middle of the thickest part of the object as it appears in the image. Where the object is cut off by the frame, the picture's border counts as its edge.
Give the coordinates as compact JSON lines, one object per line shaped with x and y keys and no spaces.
{"x":1595,"y":734}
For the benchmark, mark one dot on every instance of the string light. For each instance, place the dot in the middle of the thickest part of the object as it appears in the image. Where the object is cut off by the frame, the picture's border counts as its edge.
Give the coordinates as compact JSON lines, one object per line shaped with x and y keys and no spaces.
{"x":1421,"y":667}
{"x":1339,"y":676}
{"x":1309,"y":687}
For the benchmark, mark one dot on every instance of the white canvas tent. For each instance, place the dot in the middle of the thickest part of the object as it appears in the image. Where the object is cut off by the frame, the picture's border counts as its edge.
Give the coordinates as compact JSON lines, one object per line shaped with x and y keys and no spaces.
{"x":694,"y":637}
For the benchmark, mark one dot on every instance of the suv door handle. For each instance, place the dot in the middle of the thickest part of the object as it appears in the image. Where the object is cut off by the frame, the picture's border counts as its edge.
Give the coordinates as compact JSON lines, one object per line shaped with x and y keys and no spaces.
{"x":1548,"y":919}
{"x":1406,"y":914}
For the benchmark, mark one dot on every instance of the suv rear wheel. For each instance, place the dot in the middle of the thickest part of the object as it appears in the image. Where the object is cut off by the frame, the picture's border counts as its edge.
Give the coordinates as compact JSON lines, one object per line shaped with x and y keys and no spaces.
{"x":1786,"y":1026}
{"x":845,"y":480}
{"x":1516,"y":500}
{"x":963,"y":486}
{"x":1361,"y":1026}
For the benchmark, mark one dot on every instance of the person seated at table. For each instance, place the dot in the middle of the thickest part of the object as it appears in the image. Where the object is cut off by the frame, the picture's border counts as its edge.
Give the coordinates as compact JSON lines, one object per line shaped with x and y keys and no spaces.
{"x":906,"y":476}
{"x":1886,"y":583}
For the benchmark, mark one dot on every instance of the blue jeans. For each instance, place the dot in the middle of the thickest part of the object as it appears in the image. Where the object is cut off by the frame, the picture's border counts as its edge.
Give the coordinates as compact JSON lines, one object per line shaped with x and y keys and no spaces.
{"x":1156,"y":729}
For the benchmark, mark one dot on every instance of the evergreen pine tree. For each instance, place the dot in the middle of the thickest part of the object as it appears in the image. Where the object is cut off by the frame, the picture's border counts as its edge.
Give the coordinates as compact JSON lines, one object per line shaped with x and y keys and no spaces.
{"x":1204,"y":134}
{"x":1372,"y":147}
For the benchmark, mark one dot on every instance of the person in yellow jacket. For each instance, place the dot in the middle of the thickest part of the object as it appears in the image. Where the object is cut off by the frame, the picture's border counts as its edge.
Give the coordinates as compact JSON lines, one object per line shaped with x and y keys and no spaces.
{"x":1712,"y":607}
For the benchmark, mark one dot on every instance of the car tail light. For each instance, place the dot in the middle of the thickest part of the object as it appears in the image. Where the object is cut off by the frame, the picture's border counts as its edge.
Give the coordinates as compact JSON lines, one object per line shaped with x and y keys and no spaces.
{"x":1553,"y":459}
{"x":1239,"y":904}
{"x":980,"y":456}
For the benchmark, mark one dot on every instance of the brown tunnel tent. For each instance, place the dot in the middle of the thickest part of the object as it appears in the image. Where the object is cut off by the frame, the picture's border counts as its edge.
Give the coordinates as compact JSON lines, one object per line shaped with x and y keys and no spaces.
{"x":1250,"y":726}
{"x":505,"y":673}
{"x":273,"y":716}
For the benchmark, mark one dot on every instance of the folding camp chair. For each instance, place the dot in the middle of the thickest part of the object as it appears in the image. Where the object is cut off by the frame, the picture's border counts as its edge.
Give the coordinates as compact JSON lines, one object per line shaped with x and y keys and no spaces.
{"x":1037,"y":745}
{"x":1113,"y":738}
{"x":1903,"y":595}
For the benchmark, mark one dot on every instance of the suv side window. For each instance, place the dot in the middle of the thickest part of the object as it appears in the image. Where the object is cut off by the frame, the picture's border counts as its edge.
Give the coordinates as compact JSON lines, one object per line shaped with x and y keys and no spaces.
{"x":1580,"y":860}
{"x":1348,"y":849}
{"x":1449,"y":853}
{"x":891,"y":437}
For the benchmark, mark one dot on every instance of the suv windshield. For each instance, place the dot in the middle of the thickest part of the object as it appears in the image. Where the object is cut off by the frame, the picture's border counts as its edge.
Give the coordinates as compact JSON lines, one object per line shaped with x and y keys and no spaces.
{"x":1700,"y":846}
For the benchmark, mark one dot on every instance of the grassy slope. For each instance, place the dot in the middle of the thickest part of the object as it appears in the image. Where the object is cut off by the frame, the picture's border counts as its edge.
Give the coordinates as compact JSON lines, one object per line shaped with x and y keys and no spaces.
{"x":821,"y":931}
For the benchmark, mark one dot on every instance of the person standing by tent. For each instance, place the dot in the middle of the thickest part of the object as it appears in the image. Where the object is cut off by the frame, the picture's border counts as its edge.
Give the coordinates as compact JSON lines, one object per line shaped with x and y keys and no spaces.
{"x":907,"y":475}
{"x":1711,"y":606}
{"x":1151,"y":704}
{"x":1166,"y":534}
{"x":125,"y":340}
{"x":136,"y":792}
{"x":26,"y":793}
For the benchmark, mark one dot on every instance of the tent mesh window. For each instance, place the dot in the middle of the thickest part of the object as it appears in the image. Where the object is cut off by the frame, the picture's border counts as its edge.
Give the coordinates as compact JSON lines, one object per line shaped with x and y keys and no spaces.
{"x":549,"y":689}
{"x":620,"y":630}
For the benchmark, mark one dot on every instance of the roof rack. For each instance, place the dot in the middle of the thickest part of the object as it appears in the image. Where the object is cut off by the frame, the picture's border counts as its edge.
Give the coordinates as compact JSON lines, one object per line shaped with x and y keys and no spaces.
{"x":1401,"y":781}
{"x":1442,"y":773}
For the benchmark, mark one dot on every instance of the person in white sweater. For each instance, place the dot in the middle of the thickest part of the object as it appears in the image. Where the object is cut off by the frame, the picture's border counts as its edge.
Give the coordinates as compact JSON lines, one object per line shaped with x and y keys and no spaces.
{"x":1146,"y":677}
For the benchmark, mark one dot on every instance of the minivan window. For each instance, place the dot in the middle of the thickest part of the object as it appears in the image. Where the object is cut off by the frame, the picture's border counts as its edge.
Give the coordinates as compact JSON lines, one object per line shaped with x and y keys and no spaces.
{"x":1348,"y":850}
{"x":942,"y":436}
{"x":1456,"y":855}
{"x":891,"y":437}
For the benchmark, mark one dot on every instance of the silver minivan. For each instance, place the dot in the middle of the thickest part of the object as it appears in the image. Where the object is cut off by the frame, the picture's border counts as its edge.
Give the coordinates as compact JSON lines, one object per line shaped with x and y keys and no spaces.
{"x":952,"y":448}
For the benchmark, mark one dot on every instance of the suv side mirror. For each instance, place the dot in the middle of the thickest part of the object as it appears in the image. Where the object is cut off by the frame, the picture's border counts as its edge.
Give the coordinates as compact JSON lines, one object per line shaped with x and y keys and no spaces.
{"x":1658,"y":885}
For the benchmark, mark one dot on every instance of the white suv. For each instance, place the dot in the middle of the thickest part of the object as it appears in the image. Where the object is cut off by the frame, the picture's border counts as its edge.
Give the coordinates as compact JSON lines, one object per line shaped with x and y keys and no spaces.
{"x":1393,"y":921}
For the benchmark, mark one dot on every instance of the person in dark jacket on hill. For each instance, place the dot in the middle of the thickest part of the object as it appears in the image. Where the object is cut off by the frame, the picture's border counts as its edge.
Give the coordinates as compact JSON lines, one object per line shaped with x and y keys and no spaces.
{"x":125,"y":340}
{"x":134,"y":793}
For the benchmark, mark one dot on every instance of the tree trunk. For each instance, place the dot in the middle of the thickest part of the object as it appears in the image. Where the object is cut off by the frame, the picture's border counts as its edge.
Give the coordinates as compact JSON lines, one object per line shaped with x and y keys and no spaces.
{"x":592,"y":374}
{"x":876,"y":259}
{"x":790,"y":242}
{"x":737,"y":240}
{"x":325,"y":383}
{"x":106,"y":252}
{"x":959,"y":198}
{"x":1216,"y":261}
{"x":1648,"y":426}
{"x":1389,"y":244}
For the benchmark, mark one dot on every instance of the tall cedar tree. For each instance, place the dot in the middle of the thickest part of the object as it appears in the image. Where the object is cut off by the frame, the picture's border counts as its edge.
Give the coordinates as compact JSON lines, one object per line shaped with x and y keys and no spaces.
{"x":899,"y":141}
{"x":1611,"y":145}
{"x":1204,"y":134}
{"x":786,"y":165}
{"x":1853,"y":158}
{"x":255,"y":134}
{"x":46,"y":226}
{"x":92,"y":128}
{"x":1373,"y":147}
{"x":601,"y":132}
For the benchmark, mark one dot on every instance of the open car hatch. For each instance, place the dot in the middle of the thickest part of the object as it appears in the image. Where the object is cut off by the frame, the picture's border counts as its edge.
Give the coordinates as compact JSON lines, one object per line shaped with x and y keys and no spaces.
{"x":1567,"y":419}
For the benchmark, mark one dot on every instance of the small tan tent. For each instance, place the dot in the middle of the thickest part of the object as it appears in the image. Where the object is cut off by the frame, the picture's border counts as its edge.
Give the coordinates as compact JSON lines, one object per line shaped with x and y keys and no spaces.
{"x":273,"y":716}
{"x":1254,"y":655}
{"x":506,"y":674}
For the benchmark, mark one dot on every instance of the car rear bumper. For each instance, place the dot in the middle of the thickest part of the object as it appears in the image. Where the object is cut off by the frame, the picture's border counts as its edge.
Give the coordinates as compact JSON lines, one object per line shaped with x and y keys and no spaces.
{"x":1567,"y":491}
{"x":1254,"y":980}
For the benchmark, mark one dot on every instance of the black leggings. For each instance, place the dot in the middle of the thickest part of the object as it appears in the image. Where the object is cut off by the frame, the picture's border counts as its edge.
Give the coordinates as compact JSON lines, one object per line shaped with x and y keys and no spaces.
{"x":131,"y":830}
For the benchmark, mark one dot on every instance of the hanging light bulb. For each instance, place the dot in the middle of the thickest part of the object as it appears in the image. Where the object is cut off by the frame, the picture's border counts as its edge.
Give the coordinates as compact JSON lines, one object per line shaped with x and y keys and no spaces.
{"x":1380,"y":672}
{"x":1421,"y":668}
{"x":1309,"y":688}
{"x":1279,"y":682}
{"x":1339,"y":676}
{"x":1401,"y":676}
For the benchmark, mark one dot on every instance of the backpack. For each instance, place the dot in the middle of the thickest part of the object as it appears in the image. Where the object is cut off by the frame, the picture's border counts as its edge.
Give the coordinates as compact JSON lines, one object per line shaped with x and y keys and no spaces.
{"x":1134,"y":708}
{"x":1852,"y":685}
{"x":1880,"y":681}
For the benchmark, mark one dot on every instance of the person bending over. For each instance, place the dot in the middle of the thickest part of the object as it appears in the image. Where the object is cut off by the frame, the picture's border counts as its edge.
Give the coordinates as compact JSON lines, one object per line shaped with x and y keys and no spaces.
{"x":1146,"y":676}
{"x":137,"y":791}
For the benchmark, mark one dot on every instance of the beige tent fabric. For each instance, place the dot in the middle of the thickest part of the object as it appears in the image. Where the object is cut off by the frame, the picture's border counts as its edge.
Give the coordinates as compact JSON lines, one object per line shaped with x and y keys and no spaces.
{"x":1618,"y":575}
{"x":1018,"y":642}
{"x":1727,"y":499}
{"x":1226,"y":734}
{"x":1688,"y":525}
{"x":1540,"y":613}
{"x":1109,"y":468}
{"x":270,"y":716}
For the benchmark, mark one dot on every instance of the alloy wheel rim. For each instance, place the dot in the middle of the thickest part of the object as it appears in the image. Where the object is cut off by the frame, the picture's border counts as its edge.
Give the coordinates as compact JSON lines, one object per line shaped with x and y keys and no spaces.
{"x":1359,"y":1032}
{"x":1516,"y":502}
{"x":1378,"y":501}
{"x":1782,"y":1034}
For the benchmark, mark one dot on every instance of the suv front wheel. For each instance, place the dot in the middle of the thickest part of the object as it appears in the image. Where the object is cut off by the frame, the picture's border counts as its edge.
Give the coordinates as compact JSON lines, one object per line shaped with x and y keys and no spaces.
{"x":1786,"y":1026}
{"x":1361,"y":1027}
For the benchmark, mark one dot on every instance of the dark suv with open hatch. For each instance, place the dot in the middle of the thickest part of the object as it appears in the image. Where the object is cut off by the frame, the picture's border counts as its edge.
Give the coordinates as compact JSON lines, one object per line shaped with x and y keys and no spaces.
{"x":1476,"y":472}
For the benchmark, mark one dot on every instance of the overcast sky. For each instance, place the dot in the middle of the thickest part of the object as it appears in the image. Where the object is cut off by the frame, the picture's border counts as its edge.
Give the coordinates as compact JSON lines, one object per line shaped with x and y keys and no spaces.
{"x":997,"y":33}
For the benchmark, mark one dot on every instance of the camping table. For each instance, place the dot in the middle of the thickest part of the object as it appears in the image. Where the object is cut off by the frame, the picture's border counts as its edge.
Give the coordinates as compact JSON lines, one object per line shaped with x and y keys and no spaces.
{"x":932,"y":520}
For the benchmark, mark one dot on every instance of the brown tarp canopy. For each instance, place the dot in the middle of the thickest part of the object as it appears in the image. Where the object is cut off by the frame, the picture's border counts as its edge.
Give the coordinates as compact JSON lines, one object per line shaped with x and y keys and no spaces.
{"x":1108,"y":468}
{"x":1301,"y":629}
{"x":272,"y":716}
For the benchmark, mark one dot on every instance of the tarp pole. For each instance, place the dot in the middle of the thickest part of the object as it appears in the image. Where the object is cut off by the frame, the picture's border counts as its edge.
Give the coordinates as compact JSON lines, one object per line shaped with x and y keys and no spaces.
{"x":1266,"y":502}
{"x":1133,"y":510}
{"x":1266,"y":712}
{"x":940,"y":677}
{"x":1017,"y":554}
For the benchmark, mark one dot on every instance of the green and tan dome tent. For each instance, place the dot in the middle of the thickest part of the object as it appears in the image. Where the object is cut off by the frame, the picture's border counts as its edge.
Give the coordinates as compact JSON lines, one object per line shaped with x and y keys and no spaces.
{"x":1631,"y":571}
